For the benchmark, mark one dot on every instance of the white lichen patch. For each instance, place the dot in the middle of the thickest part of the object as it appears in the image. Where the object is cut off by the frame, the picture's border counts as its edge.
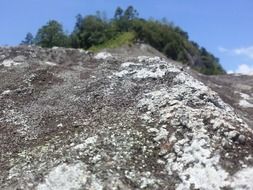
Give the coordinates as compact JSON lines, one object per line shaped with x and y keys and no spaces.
{"x":161,"y":134}
{"x":60,"y":125}
{"x":146,"y":67}
{"x":87,"y":142}
{"x":103,"y":55}
{"x":50,"y":63}
{"x":245,"y":101}
{"x":243,"y":179}
{"x":9,"y":63}
{"x":17,"y":118}
{"x":148,"y":59}
{"x":194,"y":159}
{"x":121,"y":73}
{"x":245,"y":104}
{"x":145,"y":182}
{"x":149,"y":73}
{"x":147,"y":126}
{"x":188,"y":81}
{"x":244,"y":96}
{"x":204,"y":171}
{"x":6,"y":92}
{"x":128,"y":64}
{"x":65,"y":177}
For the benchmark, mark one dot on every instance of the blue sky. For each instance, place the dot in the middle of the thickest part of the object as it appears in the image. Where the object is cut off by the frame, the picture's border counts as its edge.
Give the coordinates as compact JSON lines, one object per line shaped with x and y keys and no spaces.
{"x":224,"y":27}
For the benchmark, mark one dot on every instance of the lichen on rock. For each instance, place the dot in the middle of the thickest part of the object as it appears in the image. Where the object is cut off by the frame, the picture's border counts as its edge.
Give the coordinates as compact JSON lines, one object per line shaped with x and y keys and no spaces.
{"x":70,"y":120}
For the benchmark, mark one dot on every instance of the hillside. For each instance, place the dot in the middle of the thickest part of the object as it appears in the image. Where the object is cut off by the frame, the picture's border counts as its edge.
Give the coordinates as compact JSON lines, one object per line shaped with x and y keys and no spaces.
{"x":125,"y":119}
{"x":95,"y":32}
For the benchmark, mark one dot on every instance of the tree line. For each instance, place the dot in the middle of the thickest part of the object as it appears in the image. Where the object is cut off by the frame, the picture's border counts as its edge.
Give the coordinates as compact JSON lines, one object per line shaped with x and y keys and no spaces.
{"x":93,"y":30}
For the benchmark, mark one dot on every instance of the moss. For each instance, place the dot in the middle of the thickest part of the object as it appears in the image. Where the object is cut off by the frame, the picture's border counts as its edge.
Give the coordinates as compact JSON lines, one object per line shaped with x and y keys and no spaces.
{"x":126,"y":38}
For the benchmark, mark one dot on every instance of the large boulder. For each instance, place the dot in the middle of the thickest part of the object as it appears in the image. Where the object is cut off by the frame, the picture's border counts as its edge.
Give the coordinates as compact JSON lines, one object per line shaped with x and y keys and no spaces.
{"x":72,"y":120}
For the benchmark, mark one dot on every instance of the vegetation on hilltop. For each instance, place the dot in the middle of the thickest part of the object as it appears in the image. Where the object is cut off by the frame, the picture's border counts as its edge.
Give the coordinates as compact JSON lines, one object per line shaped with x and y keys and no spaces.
{"x":95,"y":32}
{"x":125,"y":38}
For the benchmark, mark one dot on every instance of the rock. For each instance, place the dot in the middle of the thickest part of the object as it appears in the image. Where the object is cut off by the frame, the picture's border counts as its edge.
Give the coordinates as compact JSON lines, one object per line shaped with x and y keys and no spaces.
{"x":2,"y":57}
{"x":6,"y":92}
{"x":123,"y":120}
{"x":233,"y":88}
{"x":102,"y":55}
{"x":225,"y":143}
{"x":241,"y":139}
{"x":60,"y":125}
{"x":19,"y":59}
{"x":233,"y":135}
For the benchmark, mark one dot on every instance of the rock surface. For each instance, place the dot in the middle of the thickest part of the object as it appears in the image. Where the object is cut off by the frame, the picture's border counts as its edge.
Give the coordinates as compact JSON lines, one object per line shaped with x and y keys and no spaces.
{"x":71,"y":120}
{"x":236,"y":90}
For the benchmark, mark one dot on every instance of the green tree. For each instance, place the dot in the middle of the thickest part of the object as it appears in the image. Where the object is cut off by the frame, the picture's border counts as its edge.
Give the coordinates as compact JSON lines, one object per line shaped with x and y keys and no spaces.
{"x":75,"y":37}
{"x":118,"y":13}
{"x":29,"y":40}
{"x":51,"y":34}
{"x":130,"y":13}
{"x":123,"y":20}
{"x":78,"y":25}
{"x":172,"y":50}
{"x":90,"y":30}
{"x":96,"y":31}
{"x":181,"y":32}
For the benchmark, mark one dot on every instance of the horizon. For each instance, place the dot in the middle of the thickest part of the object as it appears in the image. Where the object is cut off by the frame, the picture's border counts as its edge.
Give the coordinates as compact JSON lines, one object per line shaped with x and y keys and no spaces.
{"x":224,"y":29}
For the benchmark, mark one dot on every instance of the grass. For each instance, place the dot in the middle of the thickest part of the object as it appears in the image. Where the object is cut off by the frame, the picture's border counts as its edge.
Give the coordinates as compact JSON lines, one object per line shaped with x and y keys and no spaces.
{"x":125,"y":38}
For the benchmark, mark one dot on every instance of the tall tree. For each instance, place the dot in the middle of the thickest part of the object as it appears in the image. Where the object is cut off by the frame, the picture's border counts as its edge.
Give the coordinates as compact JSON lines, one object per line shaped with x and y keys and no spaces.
{"x":118,"y":13}
{"x":124,"y":19}
{"x":78,"y":25}
{"x":130,"y":13}
{"x":90,"y":30}
{"x":51,"y":34}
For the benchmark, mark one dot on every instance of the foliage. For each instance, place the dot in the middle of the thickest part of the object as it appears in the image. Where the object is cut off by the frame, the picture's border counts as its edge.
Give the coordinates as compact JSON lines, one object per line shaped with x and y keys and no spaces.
{"x":29,"y":39}
{"x":121,"y":39}
{"x":90,"y":30}
{"x":51,"y":34}
{"x":210,"y":63}
{"x":95,"y":32}
{"x":118,"y":13}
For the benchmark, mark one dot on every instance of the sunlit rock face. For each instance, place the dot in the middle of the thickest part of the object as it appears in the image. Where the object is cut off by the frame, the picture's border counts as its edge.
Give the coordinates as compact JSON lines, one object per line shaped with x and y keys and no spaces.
{"x":70,"y":119}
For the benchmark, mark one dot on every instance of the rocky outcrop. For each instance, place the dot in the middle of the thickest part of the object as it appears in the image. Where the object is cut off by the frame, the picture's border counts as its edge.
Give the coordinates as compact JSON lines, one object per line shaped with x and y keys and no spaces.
{"x":71,"y":120}
{"x":234,"y":89}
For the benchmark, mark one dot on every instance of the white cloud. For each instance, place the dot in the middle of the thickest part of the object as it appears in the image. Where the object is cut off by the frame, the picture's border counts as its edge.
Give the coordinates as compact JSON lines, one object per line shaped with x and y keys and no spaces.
{"x":243,"y":51}
{"x":246,"y":69}
{"x":243,"y":69}
{"x":222,"y":49}
{"x":230,"y":72}
{"x":246,"y":51}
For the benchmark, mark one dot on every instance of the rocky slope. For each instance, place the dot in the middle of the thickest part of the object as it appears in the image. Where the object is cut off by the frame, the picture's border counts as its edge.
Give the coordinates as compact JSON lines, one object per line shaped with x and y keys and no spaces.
{"x":72,"y":120}
{"x":236,"y":90}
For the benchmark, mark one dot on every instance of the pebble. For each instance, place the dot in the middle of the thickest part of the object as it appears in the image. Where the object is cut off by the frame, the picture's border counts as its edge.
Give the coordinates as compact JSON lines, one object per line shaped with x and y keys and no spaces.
{"x":225,"y":143}
{"x":233,"y":135}
{"x":241,"y":139}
